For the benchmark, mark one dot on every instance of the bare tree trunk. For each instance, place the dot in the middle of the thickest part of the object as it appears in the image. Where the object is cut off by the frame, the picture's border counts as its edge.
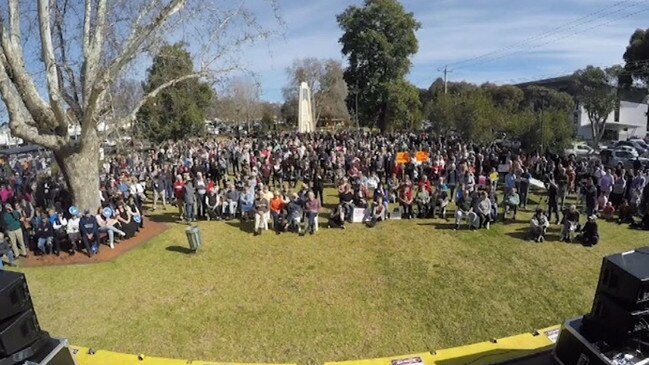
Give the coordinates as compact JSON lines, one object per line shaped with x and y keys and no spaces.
{"x":80,"y":167}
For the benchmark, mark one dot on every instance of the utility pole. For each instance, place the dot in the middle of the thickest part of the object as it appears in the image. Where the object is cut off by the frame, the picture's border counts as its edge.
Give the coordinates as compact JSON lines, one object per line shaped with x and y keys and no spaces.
{"x":446,"y":72}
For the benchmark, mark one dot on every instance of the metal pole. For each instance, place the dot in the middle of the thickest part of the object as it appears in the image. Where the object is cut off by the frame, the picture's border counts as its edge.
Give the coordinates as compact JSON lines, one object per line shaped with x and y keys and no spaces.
{"x":542,"y":124}
{"x":445,"y":79}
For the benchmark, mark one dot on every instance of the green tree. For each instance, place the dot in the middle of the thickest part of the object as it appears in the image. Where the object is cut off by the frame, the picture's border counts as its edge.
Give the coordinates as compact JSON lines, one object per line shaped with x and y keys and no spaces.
{"x":378,"y":40}
{"x":440,"y":111}
{"x":403,"y":106}
{"x":637,"y":59}
{"x":597,"y":93}
{"x":178,"y":111}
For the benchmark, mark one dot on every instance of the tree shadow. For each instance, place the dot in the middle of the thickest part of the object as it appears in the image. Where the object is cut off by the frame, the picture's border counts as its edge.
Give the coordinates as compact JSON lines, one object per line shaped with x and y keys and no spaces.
{"x":165,"y":217}
{"x":248,"y":227}
{"x":180,"y":249}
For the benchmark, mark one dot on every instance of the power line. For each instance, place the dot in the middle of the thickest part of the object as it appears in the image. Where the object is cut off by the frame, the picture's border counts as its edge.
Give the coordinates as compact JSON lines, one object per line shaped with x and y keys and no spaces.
{"x":590,"y":18}
{"x":570,"y":72}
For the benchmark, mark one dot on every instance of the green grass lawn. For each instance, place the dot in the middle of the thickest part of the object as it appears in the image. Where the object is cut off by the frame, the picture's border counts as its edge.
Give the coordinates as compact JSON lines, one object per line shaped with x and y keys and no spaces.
{"x":401,"y":287}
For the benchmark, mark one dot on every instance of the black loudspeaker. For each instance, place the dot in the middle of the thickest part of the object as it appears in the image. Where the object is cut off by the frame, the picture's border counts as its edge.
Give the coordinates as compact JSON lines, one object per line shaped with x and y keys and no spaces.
{"x":610,"y":319}
{"x":47,"y":351}
{"x":18,"y":332}
{"x":572,"y":348}
{"x":14,"y":294}
{"x":625,"y":278}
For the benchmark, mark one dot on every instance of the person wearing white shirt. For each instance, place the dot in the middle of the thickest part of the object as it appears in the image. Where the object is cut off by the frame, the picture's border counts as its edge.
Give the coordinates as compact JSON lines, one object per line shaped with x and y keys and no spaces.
{"x":72,"y":229}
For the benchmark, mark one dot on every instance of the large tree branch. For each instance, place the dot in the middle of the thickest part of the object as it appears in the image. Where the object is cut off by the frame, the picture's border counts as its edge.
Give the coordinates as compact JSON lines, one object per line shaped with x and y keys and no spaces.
{"x":15,"y":67}
{"x":131,"y":116}
{"x":51,"y":71}
{"x":71,"y":94}
{"x":21,"y":122}
{"x":138,"y":36}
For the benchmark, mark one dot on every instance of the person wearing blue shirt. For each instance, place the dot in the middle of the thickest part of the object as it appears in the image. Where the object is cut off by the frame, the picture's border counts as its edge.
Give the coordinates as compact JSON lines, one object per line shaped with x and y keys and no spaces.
{"x":89,"y":232}
{"x":510,"y":181}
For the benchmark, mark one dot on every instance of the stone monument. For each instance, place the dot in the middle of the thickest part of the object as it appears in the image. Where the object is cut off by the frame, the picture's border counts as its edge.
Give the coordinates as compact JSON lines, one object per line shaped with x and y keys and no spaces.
{"x":305,"y":122}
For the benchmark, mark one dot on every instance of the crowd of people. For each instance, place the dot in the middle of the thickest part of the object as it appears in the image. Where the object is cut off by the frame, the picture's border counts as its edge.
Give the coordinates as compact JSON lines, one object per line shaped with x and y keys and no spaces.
{"x":278,"y":182}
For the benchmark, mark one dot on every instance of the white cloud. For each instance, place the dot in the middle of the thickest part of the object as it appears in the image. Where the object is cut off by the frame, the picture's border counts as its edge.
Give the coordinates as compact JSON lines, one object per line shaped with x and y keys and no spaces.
{"x":454,"y":30}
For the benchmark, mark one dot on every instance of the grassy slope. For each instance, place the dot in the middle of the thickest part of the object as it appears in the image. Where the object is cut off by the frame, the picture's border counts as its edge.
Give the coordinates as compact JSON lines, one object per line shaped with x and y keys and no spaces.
{"x":401,"y":287}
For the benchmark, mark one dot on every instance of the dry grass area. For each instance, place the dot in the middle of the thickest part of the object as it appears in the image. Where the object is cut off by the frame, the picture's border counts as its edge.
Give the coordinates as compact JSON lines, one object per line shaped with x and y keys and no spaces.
{"x":401,"y":287}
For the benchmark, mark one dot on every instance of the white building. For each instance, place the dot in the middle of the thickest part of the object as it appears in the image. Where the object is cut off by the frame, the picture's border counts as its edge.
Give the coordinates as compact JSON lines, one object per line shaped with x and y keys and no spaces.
{"x":627,"y":121}
{"x":630,"y":118}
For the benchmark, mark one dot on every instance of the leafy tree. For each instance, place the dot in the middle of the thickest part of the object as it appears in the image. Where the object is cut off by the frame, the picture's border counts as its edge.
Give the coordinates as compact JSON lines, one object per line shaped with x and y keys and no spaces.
{"x":597,"y":93}
{"x":441,"y":113}
{"x":403,"y":106}
{"x":85,"y":48}
{"x":507,"y":97}
{"x":378,"y":40}
{"x":178,"y":111}
{"x":551,"y":99}
{"x":328,"y":88}
{"x":637,"y":59}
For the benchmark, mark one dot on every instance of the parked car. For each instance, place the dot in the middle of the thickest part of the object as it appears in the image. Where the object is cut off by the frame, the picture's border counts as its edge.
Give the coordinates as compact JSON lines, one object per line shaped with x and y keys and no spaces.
{"x":628,"y":149}
{"x":620,"y":158}
{"x":579,"y":149}
{"x":639,"y":146}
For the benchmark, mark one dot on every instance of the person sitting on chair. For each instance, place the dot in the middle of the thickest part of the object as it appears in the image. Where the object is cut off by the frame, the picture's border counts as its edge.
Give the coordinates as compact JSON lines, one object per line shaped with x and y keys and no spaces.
{"x":465,"y":211}
{"x":539,"y":225}
{"x":570,"y":223}
{"x":294,"y":214}
{"x":422,"y":199}
{"x":512,"y":201}
{"x":589,"y":233}
{"x":213,"y":202}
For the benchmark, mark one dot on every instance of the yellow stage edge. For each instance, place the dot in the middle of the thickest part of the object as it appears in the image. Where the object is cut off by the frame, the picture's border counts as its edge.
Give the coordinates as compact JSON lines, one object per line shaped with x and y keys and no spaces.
{"x":483,"y":353}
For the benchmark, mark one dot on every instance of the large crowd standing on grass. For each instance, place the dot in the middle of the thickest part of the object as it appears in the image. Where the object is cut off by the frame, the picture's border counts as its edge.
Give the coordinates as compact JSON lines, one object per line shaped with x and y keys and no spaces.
{"x":277,"y":183}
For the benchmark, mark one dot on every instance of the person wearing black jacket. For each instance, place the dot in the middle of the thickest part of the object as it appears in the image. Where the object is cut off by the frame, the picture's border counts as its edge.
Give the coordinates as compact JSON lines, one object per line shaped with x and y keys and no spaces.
{"x":318,"y":186}
{"x":45,"y":234}
{"x":553,"y":204}
{"x":89,"y":232}
{"x":590,"y":233}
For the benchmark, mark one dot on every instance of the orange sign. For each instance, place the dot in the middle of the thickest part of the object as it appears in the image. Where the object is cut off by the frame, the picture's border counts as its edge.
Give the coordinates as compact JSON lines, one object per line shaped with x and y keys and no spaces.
{"x":422,"y":156}
{"x":403,"y":157}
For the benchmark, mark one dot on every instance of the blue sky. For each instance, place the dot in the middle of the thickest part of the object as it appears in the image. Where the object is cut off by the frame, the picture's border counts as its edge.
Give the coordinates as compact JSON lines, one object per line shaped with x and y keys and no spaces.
{"x":456,"y":30}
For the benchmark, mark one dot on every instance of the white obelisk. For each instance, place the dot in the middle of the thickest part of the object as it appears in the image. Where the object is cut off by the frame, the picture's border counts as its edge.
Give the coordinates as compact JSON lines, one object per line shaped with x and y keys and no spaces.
{"x":305,"y":122}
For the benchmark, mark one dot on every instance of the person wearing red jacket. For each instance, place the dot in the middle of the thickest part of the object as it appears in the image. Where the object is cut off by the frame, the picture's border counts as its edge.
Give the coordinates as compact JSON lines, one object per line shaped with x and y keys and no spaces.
{"x":179,"y":192}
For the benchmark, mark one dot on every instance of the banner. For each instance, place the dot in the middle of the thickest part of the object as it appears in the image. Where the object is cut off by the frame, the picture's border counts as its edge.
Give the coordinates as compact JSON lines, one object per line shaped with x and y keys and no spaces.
{"x":359,"y":215}
{"x":403,"y":157}
{"x":421,"y":156}
{"x":537,"y":183}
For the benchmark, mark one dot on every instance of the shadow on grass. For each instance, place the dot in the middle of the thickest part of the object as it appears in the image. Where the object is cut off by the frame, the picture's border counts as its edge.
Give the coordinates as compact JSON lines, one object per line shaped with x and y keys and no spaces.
{"x":180,"y":249}
{"x":248,"y":227}
{"x":165,"y":217}
{"x":442,"y":226}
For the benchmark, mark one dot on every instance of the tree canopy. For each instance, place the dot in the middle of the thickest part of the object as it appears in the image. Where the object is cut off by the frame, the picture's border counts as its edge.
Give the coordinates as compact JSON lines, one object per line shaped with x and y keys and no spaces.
{"x":178,"y":111}
{"x":483,"y":113}
{"x":637,"y":59}
{"x":378,"y":40}
{"x":597,"y":93}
